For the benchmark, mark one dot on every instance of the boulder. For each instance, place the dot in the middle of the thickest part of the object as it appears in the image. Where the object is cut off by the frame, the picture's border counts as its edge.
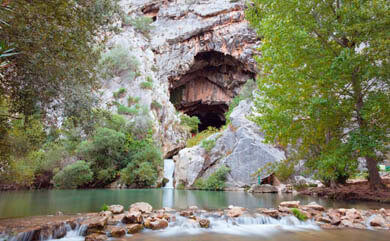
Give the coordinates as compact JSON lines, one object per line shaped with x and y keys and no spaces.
{"x":241,"y":147}
{"x":269,"y":212}
{"x":132,"y":217}
{"x":107,"y":214}
{"x":315,"y":206}
{"x":134,"y":228}
{"x":155,"y":224}
{"x":115,"y":219}
{"x":96,"y":237}
{"x":264,"y":188}
{"x":235,"y":212}
{"x":377,"y":221}
{"x":116,"y":209}
{"x":352,"y":215}
{"x":142,"y":207}
{"x":204,"y":223}
{"x":334,"y":216}
{"x":290,"y":204}
{"x":95,"y":222}
{"x":116,"y":231}
{"x":324,"y":219}
{"x":186,"y":213}
{"x":306,"y":181}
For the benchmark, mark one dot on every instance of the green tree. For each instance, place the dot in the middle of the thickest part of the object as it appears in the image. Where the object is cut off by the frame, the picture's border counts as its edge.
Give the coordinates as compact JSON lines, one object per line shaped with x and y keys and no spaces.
{"x":74,"y":175}
{"x":57,"y":42}
{"x":324,"y":86}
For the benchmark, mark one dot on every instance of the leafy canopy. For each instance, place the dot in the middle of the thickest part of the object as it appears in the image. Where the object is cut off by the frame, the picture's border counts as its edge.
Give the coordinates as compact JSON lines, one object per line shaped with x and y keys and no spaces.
{"x":324,"y":86}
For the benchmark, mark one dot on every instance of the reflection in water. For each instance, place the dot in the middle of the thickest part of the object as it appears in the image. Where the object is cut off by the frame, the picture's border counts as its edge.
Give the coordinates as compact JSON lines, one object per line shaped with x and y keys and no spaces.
{"x":41,"y":202}
{"x":168,"y":197}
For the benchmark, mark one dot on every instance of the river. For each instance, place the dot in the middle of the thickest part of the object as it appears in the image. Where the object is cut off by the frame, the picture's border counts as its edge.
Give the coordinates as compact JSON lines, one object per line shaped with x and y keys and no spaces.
{"x":43,"y":202}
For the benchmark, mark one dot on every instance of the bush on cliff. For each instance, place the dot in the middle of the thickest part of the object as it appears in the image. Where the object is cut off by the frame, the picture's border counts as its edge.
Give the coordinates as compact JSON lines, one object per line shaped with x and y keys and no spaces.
{"x":74,"y":175}
{"x":215,"y":182}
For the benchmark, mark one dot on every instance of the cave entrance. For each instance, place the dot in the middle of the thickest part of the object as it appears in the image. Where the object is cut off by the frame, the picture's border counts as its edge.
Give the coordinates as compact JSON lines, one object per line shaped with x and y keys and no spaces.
{"x":210,"y":115}
{"x":208,"y":87}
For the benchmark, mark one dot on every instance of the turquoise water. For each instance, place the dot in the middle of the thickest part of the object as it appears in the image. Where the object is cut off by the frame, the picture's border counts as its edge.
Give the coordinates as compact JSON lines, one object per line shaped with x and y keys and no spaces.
{"x":43,"y":202}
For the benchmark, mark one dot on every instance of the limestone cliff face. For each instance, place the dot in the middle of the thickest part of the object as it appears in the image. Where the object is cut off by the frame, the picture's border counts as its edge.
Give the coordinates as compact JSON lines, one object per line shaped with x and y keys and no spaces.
{"x":240,"y":147}
{"x":201,"y":47}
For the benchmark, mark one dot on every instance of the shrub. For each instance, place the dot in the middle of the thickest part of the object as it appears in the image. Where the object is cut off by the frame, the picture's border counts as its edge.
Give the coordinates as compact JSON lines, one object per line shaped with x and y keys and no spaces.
{"x":141,"y":24}
{"x":147,"y":85}
{"x":74,"y":175}
{"x":283,"y":169}
{"x":201,"y":136}
{"x":298,"y":214}
{"x":215,"y":182}
{"x":117,"y":60}
{"x":106,"y":149}
{"x":149,"y":79}
{"x":120,"y":93}
{"x":180,"y":186}
{"x":132,"y":100}
{"x":191,"y":122}
{"x":124,"y":110}
{"x":105,"y":176}
{"x":156,"y":105}
{"x":143,"y":175}
{"x":208,"y":145}
{"x":104,"y":208}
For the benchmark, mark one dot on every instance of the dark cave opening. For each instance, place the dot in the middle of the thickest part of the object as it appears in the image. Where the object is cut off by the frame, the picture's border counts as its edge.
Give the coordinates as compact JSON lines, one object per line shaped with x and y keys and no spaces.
{"x":209,"y":115}
{"x":208,"y":87}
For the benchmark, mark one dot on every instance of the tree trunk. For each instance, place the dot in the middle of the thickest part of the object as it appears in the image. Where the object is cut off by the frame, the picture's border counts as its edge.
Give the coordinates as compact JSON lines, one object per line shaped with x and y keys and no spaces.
{"x":373,"y":174}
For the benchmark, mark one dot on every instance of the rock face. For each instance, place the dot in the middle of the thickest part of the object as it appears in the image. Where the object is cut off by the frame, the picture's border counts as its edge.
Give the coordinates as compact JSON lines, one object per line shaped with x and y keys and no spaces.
{"x":201,"y":50}
{"x":240,"y":147}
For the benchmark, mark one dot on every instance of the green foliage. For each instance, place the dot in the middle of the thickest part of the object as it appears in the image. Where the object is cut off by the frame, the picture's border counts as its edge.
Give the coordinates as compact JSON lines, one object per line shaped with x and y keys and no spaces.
{"x":208,"y":145}
{"x":215,"y":182}
{"x":298,"y":214}
{"x":245,"y":93}
{"x":191,"y":122}
{"x":195,"y":140}
{"x":144,"y":175}
{"x":58,"y":45}
{"x":104,"y":208}
{"x":73,"y":176}
{"x":132,"y":100}
{"x":180,"y":186}
{"x":124,"y":110}
{"x":141,"y":24}
{"x":149,"y":79}
{"x":283,"y":169}
{"x":120,"y":93}
{"x":156,"y":105}
{"x":322,"y":89}
{"x":117,"y":60}
{"x":147,"y":85}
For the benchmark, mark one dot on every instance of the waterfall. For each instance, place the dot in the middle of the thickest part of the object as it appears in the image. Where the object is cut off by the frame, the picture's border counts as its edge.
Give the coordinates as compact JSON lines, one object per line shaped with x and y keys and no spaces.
{"x":169,"y":167}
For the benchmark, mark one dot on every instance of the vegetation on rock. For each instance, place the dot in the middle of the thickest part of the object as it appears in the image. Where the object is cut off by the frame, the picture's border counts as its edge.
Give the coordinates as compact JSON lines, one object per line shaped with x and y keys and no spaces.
{"x":192,"y":122}
{"x":215,"y":182}
{"x":324,"y":87}
{"x":195,"y":140}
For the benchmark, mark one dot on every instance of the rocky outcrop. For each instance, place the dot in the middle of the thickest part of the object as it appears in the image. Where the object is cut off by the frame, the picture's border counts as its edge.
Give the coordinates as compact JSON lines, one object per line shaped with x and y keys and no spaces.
{"x":240,"y":147}
{"x":191,"y":42}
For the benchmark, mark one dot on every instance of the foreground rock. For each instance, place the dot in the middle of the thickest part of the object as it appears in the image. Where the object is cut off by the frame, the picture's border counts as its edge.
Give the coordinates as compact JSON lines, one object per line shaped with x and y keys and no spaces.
{"x":142,"y":207}
{"x":116,"y":209}
{"x":99,"y":228}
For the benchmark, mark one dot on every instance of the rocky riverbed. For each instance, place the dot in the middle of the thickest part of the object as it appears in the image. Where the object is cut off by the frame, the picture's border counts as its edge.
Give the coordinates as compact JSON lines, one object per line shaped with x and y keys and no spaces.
{"x":116,"y":222}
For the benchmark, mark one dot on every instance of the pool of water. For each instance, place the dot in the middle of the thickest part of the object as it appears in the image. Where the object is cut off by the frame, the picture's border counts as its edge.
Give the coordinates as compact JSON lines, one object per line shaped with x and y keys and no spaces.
{"x":43,"y":202}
